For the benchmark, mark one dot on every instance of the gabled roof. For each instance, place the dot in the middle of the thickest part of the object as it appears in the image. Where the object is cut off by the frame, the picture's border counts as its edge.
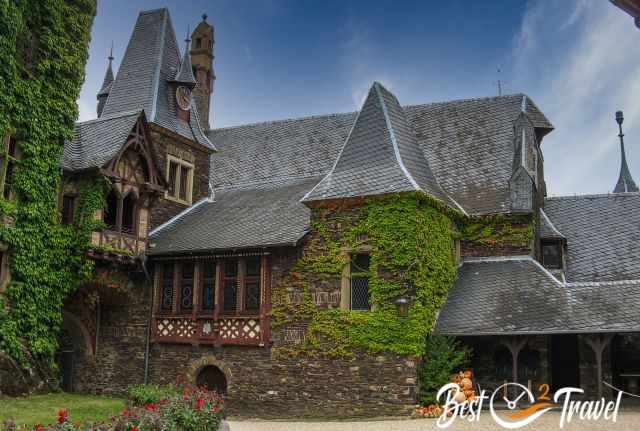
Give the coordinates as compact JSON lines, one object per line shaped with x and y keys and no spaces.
{"x":97,"y":141}
{"x":516,"y":295}
{"x":150,"y":61}
{"x":603,"y":235}
{"x":479,"y":132}
{"x":379,"y":156}
{"x":263,"y":215}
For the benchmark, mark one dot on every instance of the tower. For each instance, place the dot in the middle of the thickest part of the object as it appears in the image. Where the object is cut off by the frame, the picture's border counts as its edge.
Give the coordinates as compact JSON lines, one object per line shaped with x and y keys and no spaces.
{"x":625,"y":181}
{"x":103,"y":94}
{"x":202,"y":62}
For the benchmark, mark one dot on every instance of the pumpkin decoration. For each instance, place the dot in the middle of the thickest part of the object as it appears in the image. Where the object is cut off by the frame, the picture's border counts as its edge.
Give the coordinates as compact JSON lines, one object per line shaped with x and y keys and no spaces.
{"x":460,"y":397}
{"x":466,"y":383}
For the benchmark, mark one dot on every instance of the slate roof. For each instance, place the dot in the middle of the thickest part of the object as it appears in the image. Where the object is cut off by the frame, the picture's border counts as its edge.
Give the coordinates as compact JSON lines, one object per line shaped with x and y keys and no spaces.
{"x":379,"y":156}
{"x":150,"y":61}
{"x":264,"y":215}
{"x":479,"y":132}
{"x":625,"y":180}
{"x":185,"y":73}
{"x":603,"y":235}
{"x":95,"y":142}
{"x":502,"y":296}
{"x":547,"y":229}
{"x":108,"y":79}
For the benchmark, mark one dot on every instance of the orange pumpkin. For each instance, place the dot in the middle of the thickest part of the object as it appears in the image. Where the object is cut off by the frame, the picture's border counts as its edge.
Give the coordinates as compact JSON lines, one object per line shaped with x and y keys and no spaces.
{"x":468,"y":374}
{"x":460,"y":397}
{"x":466,"y":383}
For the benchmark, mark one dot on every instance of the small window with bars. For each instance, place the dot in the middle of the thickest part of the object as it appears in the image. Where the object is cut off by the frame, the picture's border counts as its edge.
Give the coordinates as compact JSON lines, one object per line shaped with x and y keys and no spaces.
{"x":359,"y":272}
{"x":208,"y":269}
{"x":230,"y":286}
{"x":186,"y":286}
{"x":166,"y":285}
{"x":180,"y":180}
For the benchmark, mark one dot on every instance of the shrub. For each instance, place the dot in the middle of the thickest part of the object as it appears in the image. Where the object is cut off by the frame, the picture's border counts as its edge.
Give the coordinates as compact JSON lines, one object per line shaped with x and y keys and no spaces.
{"x":141,"y":395}
{"x":442,"y":356}
{"x":186,"y":408}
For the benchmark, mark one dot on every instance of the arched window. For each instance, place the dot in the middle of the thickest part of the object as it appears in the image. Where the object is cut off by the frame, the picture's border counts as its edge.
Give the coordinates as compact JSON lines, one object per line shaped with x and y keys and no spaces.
{"x":111,"y":211}
{"x":129,"y":214}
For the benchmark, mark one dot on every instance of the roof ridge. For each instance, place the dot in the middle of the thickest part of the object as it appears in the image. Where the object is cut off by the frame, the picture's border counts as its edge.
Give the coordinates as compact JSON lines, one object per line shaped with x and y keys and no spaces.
{"x":593,"y":196}
{"x":284,"y":120}
{"x":156,"y":73}
{"x":110,"y":117}
{"x":469,"y":99}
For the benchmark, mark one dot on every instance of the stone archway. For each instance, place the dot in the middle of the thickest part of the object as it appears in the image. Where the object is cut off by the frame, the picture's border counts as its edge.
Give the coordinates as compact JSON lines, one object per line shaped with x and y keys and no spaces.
{"x":211,"y":372}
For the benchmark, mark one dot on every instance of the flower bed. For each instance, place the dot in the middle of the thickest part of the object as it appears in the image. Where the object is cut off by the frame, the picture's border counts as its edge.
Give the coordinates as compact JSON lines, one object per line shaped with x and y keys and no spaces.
{"x":185,"y":408}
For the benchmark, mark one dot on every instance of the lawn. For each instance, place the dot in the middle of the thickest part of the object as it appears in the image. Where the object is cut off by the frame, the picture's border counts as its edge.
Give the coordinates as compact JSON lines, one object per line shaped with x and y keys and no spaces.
{"x":44,"y":408}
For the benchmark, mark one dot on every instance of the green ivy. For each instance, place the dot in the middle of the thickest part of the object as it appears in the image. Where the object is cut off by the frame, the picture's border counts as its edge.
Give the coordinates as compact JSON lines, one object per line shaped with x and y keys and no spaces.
{"x":43,"y":46}
{"x":410,"y":245}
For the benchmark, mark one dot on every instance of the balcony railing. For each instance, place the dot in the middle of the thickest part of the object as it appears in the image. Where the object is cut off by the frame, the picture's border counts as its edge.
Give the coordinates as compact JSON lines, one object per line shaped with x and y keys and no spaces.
{"x":238,"y":330}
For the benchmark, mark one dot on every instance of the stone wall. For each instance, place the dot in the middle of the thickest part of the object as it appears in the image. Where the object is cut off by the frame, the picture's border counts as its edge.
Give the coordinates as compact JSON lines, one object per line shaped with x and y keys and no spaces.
{"x":165,"y":143}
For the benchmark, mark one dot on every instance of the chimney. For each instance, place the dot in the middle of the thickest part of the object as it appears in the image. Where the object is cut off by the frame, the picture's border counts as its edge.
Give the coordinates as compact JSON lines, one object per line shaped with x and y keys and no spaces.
{"x":202,"y":62}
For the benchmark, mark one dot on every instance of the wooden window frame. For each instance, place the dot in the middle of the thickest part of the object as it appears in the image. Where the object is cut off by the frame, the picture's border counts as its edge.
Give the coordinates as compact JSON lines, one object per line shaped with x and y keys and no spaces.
{"x":181,"y":164}
{"x":6,"y":159}
{"x":120,"y":215}
{"x":200,"y":264}
{"x":74,"y":207}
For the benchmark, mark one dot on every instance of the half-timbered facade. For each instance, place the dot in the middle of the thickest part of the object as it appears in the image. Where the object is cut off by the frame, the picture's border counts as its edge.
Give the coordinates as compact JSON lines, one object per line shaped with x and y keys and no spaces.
{"x":203,"y":225}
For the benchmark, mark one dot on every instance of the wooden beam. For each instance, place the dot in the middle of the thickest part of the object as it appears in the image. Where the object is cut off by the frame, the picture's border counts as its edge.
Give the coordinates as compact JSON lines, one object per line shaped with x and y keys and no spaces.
{"x":598,"y":342}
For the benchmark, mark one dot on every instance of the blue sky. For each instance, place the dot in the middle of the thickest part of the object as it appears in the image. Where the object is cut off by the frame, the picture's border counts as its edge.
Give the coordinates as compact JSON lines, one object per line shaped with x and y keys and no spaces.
{"x":579,"y":61}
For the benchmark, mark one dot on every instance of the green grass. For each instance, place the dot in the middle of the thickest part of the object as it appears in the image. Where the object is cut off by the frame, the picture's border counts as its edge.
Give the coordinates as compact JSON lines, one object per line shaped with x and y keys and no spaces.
{"x":43,"y":409}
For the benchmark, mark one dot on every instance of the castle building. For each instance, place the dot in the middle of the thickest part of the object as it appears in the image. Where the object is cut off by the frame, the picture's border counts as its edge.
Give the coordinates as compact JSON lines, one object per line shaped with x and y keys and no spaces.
{"x":217,"y":260}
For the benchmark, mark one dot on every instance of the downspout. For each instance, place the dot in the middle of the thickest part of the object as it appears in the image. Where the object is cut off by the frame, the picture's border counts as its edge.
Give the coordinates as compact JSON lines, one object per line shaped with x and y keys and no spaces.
{"x":143,"y":261}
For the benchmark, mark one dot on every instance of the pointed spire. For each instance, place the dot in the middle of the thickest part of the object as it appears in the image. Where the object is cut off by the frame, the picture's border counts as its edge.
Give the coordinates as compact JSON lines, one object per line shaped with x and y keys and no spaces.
{"x":106,"y":83}
{"x":185,"y":74}
{"x":625,"y":181}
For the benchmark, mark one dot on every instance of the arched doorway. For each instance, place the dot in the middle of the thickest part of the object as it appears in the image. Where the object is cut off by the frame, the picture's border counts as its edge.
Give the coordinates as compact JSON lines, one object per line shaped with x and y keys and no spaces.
{"x":213,"y":379}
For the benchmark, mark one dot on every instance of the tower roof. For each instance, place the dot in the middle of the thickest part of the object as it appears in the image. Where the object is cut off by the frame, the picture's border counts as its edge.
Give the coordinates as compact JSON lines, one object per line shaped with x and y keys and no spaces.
{"x":625,"y":181}
{"x":150,"y":61}
{"x":108,"y":77}
{"x":381,"y":155}
{"x":185,"y":74}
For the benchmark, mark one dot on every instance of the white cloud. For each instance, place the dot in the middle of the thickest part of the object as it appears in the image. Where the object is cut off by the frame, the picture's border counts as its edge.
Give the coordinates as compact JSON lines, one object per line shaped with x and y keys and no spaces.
{"x":581,"y":64}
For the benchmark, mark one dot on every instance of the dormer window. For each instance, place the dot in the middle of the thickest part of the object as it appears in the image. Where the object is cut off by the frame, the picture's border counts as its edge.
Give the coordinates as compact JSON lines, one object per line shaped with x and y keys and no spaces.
{"x":552,"y":254}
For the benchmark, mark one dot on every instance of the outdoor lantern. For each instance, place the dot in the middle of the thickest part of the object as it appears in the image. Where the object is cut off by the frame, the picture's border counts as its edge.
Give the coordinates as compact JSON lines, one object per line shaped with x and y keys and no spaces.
{"x":402,"y":306}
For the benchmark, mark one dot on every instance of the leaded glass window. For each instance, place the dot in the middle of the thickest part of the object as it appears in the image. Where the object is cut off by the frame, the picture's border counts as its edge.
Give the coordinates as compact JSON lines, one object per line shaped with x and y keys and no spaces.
{"x":186,"y":287}
{"x":359,"y":269}
{"x":208,"y":285}
{"x":252,"y":284}
{"x":166,"y":300}
{"x":230,"y":287}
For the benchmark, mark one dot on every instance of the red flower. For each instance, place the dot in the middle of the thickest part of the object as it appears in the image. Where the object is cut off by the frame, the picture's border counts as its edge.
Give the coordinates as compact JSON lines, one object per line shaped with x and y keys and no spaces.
{"x":215,"y":408}
{"x":62,"y":416}
{"x":199,"y":403}
{"x":150,"y":407}
{"x":39,"y":427}
{"x":133,"y":428}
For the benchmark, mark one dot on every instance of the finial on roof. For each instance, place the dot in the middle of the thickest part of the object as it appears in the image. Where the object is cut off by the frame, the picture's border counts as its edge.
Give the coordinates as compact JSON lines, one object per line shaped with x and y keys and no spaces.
{"x":111,"y":53}
{"x":188,"y":39}
{"x":625,"y":181}
{"x":204,"y":17}
{"x":185,"y":73}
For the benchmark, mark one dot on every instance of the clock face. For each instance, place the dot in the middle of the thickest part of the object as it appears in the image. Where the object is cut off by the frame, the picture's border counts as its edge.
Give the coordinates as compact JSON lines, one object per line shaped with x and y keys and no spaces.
{"x":183,"y":97}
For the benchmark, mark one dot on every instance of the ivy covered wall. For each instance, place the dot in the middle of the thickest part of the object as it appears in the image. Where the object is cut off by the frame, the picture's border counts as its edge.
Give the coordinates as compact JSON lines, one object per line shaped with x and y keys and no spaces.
{"x":43,"y":46}
{"x":413,"y":244}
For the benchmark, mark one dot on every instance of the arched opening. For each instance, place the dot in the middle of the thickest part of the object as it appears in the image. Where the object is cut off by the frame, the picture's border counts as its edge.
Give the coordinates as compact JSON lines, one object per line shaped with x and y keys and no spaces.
{"x":213,"y":379}
{"x":129,"y":214}
{"x":111,"y":211}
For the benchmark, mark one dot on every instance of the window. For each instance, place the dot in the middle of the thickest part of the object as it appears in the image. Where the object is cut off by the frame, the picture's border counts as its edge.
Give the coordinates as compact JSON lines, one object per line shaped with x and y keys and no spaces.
{"x":359,"y":271}
{"x":208,"y":285}
{"x":111,"y":211}
{"x":128,"y":214}
{"x":8,"y":156}
{"x":180,"y":180}
{"x":552,"y":254}
{"x":120,"y":213}
{"x":166,"y":298}
{"x":186,"y":286}
{"x":252,"y":284}
{"x":230,"y":285}
{"x":198,"y":42}
{"x":68,"y":209}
